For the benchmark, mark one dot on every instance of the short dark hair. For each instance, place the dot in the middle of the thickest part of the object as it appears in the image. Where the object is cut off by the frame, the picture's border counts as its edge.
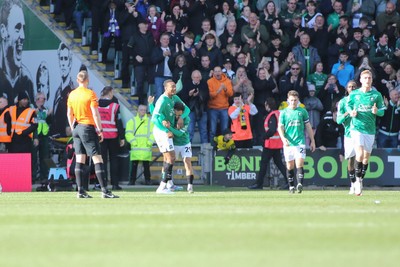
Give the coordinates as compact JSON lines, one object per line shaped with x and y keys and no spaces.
{"x":179,"y":106}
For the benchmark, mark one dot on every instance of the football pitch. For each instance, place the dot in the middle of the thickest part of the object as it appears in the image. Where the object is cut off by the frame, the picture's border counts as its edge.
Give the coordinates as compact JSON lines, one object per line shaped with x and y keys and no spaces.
{"x":215,"y":226}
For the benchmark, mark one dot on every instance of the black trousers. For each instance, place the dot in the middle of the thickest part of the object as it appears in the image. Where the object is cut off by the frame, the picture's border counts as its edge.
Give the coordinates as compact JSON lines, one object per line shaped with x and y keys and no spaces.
{"x":266,"y":156}
{"x":146,"y":167}
{"x":109,"y":152}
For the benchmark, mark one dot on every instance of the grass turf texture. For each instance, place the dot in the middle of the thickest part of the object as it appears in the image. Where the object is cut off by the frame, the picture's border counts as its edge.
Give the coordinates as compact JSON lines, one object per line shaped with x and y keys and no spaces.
{"x":214,"y":227}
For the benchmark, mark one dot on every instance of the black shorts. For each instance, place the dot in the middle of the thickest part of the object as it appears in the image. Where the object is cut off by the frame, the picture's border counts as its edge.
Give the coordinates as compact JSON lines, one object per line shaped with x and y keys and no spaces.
{"x":86,"y":140}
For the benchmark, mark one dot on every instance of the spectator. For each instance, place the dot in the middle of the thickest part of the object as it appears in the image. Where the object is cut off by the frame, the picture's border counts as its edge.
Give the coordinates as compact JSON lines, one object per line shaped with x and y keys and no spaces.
{"x":211,"y":50}
{"x":141,"y":7}
{"x":264,"y":87}
{"x":318,"y":77}
{"x":319,"y":36}
{"x":314,"y":107}
{"x":343,"y":70}
{"x":365,"y":64}
{"x":344,"y":29}
{"x":381,"y":52}
{"x":220,"y":88}
{"x":386,"y":80}
{"x":230,"y":36}
{"x":354,"y":46}
{"x":181,"y":72}
{"x":366,"y":8}
{"x":162,"y":58}
{"x":205,"y":68}
{"x":67,"y":8}
{"x":5,"y":124}
{"x":242,"y":84}
{"x":222,"y":17}
{"x":200,"y":39}
{"x":198,"y":11}
{"x":306,"y":55}
{"x":253,"y":29}
{"x":293,"y":80}
{"x":277,"y":29}
{"x":243,"y":60}
{"x":23,"y":126}
{"x":113,"y":134}
{"x":81,"y":11}
{"x":179,"y":19}
{"x":41,"y":152}
{"x":243,"y":20}
{"x":196,"y":95}
{"x":333,"y":18}
{"x":139,"y":134}
{"x":294,"y":30}
{"x":188,"y":50}
{"x":156,"y":23}
{"x":175,"y":37}
{"x":308,"y":20}
{"x":389,"y":124}
{"x":328,"y":131}
{"x":111,"y":30}
{"x":240,"y":112}
{"x":334,"y":51}
{"x":97,"y":8}
{"x":142,"y":44}
{"x":272,"y":147}
{"x":276,"y":50}
{"x":228,"y":69}
{"x":331,"y":92}
{"x":127,"y":22}
{"x":268,"y":14}
{"x":255,"y":50}
{"x":288,"y":14}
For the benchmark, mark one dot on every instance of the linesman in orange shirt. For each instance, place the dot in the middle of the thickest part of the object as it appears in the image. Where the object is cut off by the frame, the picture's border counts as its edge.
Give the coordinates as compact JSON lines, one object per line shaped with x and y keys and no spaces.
{"x":84,"y":120}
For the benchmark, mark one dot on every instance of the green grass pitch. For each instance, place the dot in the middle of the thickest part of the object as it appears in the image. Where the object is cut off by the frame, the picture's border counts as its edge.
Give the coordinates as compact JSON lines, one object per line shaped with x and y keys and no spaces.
{"x":215,"y":226}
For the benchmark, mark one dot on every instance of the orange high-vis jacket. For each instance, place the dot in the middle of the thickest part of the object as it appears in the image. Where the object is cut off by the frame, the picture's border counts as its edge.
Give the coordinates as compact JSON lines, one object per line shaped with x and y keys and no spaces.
{"x":4,"y":137}
{"x":22,"y":122}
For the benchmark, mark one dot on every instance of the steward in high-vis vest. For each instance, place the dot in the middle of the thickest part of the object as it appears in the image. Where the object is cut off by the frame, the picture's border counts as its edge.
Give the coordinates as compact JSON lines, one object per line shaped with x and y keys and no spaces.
{"x":272,"y":147}
{"x":5,"y":124}
{"x":23,"y":126}
{"x":139,"y":134}
{"x":44,"y":119}
{"x":113,"y":133}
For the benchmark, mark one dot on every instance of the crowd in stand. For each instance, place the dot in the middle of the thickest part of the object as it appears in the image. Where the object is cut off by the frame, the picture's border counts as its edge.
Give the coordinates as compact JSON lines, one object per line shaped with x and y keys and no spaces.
{"x":214,"y":49}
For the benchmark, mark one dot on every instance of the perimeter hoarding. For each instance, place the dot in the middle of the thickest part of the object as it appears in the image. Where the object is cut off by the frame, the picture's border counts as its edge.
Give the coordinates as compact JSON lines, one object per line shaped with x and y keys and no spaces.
{"x":321,"y":168}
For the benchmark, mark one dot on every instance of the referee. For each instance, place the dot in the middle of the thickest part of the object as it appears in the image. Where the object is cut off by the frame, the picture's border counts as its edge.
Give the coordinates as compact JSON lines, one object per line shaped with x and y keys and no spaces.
{"x":84,"y":119}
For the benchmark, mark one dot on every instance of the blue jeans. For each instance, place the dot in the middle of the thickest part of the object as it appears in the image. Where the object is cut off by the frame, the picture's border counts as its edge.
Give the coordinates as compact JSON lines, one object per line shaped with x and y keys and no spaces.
{"x":215,"y":115}
{"x":79,"y":17}
{"x":385,"y":141}
{"x":201,"y":123}
{"x":159,"y":86}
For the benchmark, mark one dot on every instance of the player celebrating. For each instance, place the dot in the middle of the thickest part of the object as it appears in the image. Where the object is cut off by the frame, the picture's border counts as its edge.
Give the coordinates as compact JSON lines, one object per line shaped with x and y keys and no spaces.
{"x":363,"y":106}
{"x":292,"y":122}
{"x":163,"y":118}
{"x":343,"y":117}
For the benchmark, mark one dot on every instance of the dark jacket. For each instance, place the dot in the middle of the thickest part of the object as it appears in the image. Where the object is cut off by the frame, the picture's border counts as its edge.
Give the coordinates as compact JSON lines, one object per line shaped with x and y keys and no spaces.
{"x":328,"y":132}
{"x":198,"y":103}
{"x":157,"y":59}
{"x":142,"y":45}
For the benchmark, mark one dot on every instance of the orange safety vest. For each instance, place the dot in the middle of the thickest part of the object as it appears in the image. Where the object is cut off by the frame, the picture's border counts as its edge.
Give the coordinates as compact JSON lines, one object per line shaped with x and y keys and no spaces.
{"x":274,"y":142}
{"x":4,"y":137}
{"x":22,"y":122}
{"x":108,"y":120}
{"x":240,"y":134}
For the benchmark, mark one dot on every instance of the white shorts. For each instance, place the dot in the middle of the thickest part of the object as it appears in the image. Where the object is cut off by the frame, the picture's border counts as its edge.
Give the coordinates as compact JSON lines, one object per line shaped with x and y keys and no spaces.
{"x":294,"y":152}
{"x":164,"y":143}
{"x":364,"y":140}
{"x":183,"y":151}
{"x":349,"y":149}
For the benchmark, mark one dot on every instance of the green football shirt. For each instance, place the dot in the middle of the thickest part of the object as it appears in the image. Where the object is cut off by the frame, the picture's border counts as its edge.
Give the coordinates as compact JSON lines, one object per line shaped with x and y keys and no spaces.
{"x":365,"y":121}
{"x":294,"y":121}
{"x":341,"y":118}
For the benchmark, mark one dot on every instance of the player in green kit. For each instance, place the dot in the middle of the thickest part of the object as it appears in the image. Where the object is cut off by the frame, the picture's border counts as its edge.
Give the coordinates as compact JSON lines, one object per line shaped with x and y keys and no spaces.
{"x":163,"y":117}
{"x":343,"y":117}
{"x":183,"y":147}
{"x":363,"y":106}
{"x":292,"y":122}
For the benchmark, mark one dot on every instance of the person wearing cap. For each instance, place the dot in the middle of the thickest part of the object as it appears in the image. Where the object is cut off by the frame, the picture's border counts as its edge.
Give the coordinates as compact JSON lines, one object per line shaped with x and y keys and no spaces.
{"x":210,"y":49}
{"x":142,"y":44}
{"x":228,"y":69}
{"x":293,"y":10}
{"x":24,"y":126}
{"x":87,"y":132}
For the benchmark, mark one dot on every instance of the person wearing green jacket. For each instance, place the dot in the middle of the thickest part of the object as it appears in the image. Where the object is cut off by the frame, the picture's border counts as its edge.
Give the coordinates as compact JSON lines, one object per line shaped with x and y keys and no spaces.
{"x":139,"y":134}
